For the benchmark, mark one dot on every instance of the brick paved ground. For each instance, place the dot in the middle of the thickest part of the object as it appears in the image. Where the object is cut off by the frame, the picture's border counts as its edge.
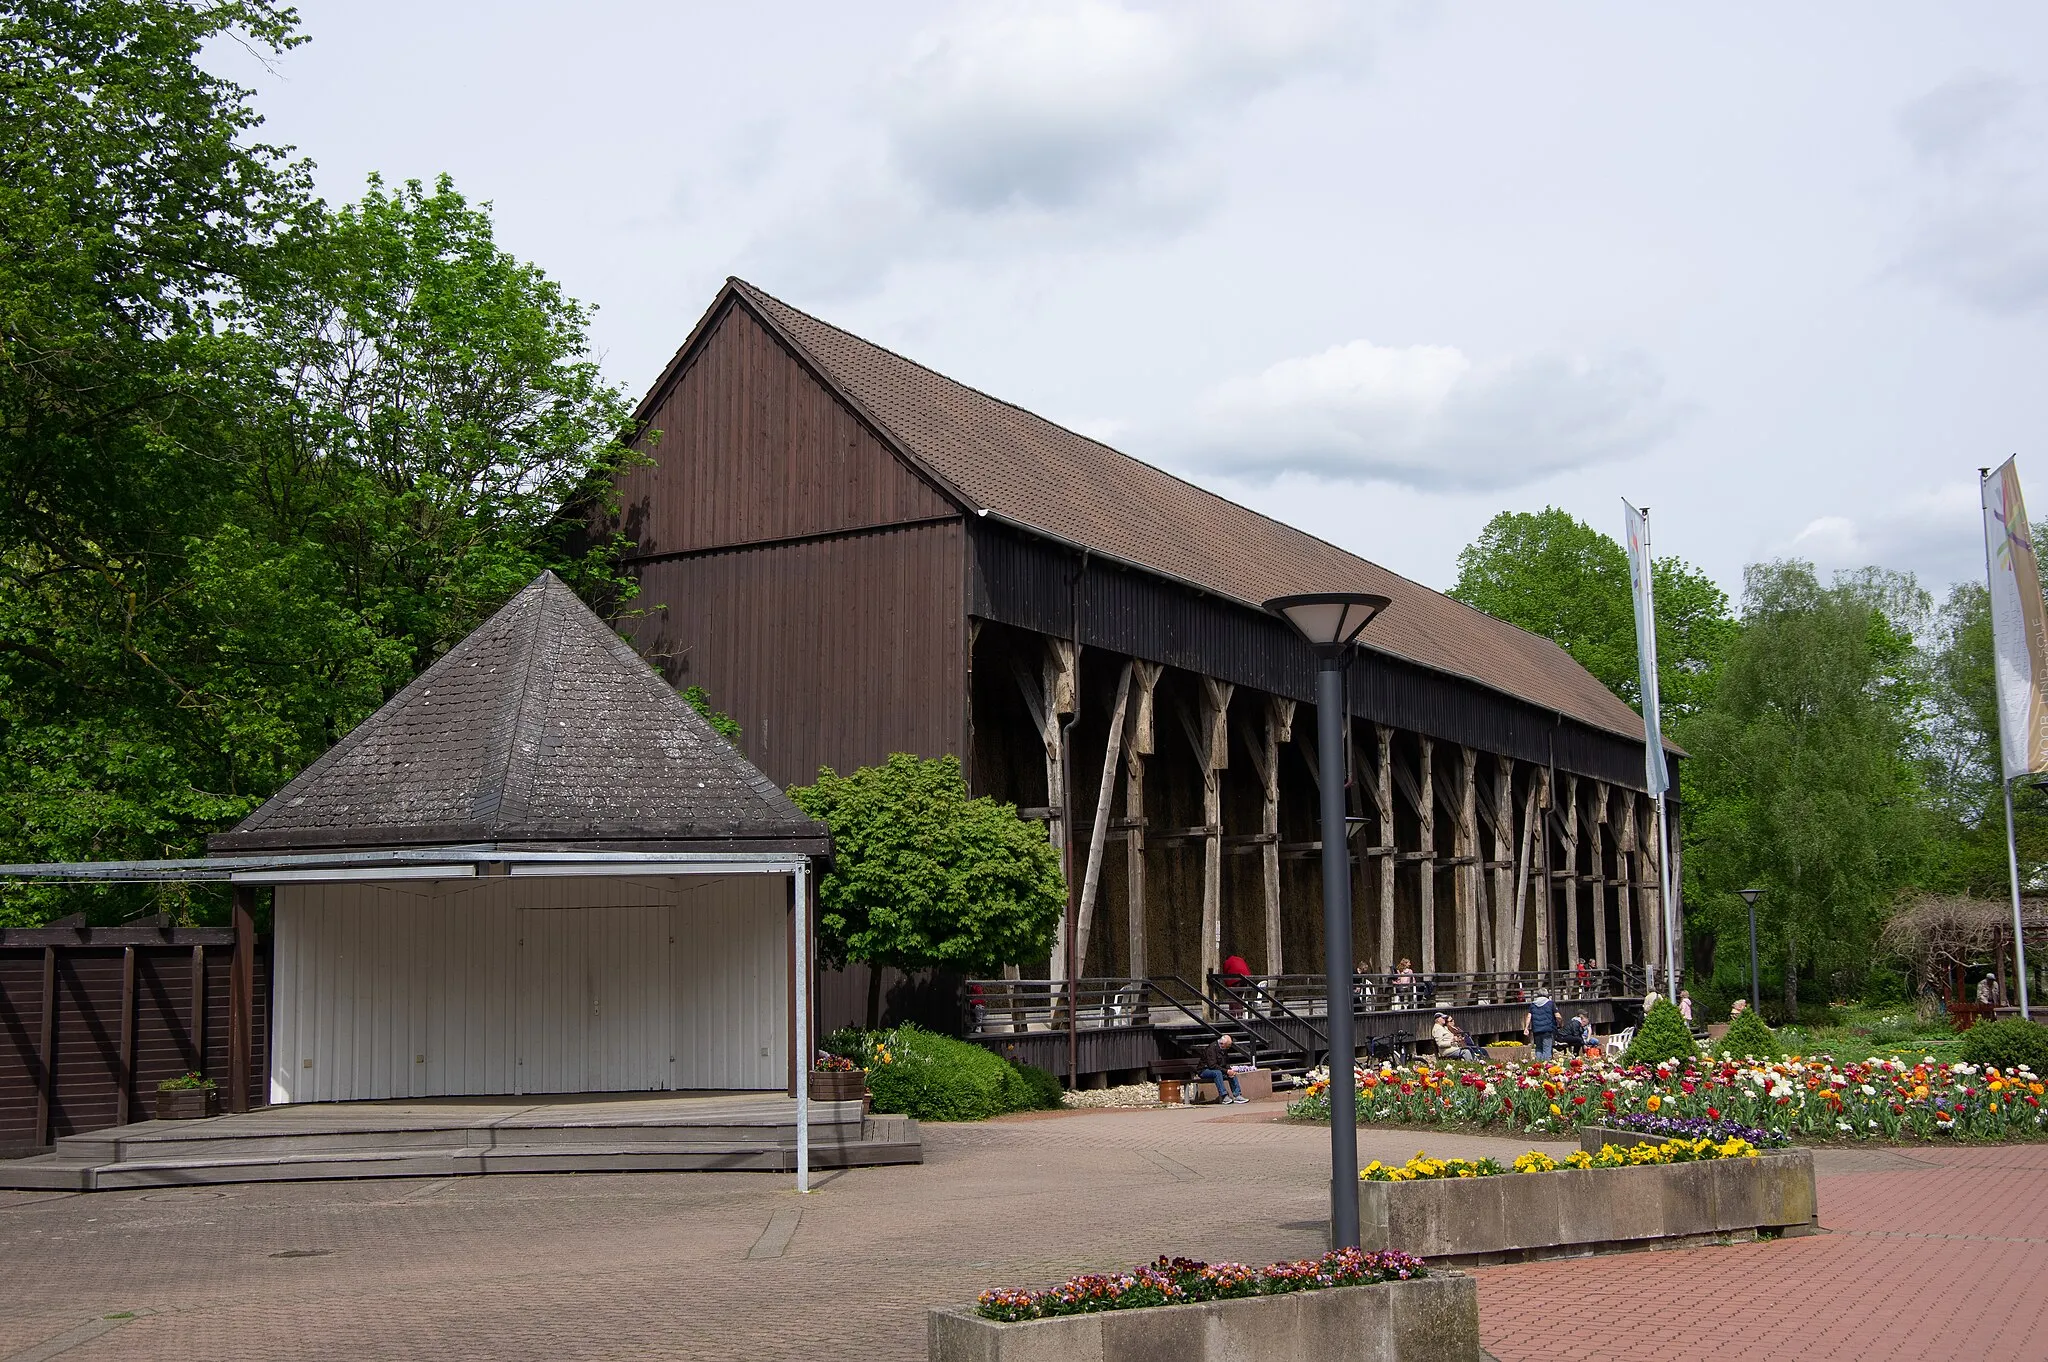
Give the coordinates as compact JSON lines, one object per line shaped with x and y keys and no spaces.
{"x":658,"y":1265}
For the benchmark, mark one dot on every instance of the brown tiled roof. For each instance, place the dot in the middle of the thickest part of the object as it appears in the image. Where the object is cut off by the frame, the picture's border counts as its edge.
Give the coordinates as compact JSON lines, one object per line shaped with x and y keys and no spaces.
{"x":1002,"y":459}
{"x":541,"y":726}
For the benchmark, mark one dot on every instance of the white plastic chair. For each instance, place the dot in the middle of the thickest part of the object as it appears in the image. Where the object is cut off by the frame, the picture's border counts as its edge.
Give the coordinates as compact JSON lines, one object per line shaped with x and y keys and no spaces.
{"x":1618,"y":1042}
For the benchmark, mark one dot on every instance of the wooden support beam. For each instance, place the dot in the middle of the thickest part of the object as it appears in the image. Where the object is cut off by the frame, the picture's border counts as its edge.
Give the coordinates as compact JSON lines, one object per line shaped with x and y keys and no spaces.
{"x":1425,"y":806}
{"x":1049,"y":700}
{"x":197,"y":1030}
{"x":1507,"y":949}
{"x":1529,"y":828}
{"x":1383,"y":796}
{"x":1465,"y":873}
{"x":1571,"y":870}
{"x":242,"y":1001}
{"x":1597,"y":826}
{"x":1624,"y":848}
{"x":1546,"y":954}
{"x":1112,"y":753}
{"x":125,"y":1075}
{"x":46,"y":1048}
{"x":1212,"y":750}
{"x":1653,"y":888}
{"x":1279,"y":729}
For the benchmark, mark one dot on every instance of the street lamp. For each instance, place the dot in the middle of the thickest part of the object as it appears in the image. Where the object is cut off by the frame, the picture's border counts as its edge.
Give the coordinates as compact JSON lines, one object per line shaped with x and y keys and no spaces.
{"x":1331,"y":621}
{"x":1750,"y":896}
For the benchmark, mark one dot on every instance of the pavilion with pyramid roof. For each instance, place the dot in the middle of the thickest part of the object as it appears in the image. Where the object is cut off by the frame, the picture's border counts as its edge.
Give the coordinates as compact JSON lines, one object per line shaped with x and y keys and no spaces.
{"x":537,"y":869}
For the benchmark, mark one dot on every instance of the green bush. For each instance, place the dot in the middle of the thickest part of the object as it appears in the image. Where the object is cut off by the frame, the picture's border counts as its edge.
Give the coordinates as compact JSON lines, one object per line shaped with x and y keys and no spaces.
{"x":1748,"y":1035}
{"x":1663,"y":1035}
{"x":1035,"y":1089}
{"x":2007,"y":1044}
{"x":915,"y":1072}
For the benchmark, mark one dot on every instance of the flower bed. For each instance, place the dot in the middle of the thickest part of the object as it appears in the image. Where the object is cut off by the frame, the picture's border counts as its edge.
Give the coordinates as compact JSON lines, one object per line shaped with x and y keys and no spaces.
{"x":1423,"y":1168}
{"x":1654,"y":1194}
{"x":1178,"y":1281}
{"x":1364,"y":1306}
{"x":1814,"y":1098}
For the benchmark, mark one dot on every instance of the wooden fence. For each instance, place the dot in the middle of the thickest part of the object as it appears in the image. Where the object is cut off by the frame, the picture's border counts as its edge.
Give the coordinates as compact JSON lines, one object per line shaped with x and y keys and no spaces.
{"x":93,"y":1018}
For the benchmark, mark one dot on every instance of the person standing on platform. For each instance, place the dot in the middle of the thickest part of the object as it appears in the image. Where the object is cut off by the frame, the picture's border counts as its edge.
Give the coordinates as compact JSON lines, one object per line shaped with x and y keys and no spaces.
{"x":1541,"y":1027}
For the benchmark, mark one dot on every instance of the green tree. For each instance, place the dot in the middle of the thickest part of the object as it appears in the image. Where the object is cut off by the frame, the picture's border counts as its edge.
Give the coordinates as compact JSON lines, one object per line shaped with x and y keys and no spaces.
{"x":924,"y":877}
{"x":264,"y":459}
{"x":1803,"y":779}
{"x":1557,"y":576}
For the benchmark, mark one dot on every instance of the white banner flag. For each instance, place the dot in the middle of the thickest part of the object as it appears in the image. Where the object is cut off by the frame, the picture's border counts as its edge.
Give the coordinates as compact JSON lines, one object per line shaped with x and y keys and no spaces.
{"x":1638,"y":532}
{"x":2019,"y":630}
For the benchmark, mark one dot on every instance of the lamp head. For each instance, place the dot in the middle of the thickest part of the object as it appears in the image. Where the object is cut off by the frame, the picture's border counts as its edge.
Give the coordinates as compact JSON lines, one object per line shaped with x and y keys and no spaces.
{"x":1329,"y":620}
{"x":1750,"y":896}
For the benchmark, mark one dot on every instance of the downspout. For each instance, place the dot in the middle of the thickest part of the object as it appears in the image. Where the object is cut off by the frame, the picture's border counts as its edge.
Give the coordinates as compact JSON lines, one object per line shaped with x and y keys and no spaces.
{"x":1067,"y":728}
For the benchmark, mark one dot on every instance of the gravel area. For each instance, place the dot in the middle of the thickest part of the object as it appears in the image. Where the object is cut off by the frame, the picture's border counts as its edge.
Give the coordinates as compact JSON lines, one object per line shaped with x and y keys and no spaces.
{"x":1128,"y":1095}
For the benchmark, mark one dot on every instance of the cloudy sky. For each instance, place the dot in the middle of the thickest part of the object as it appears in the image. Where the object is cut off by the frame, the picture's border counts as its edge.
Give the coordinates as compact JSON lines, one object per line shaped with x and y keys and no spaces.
{"x":1778,"y":272}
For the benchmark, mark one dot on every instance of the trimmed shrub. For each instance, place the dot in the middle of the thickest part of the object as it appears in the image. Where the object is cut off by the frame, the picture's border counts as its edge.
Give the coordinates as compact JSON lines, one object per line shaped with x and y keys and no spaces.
{"x":1034,"y":1089}
{"x":1663,"y":1035}
{"x":2007,"y":1044}
{"x":915,"y":1072}
{"x":1749,"y":1035}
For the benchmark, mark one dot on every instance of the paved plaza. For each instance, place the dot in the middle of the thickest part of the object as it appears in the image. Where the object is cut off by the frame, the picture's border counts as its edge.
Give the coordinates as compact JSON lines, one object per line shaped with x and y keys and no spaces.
{"x":1932,"y":1253}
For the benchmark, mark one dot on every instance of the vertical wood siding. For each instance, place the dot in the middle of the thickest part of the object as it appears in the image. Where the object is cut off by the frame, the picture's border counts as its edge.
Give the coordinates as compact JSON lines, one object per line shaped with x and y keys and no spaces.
{"x":751,"y":447}
{"x":529,"y":986}
{"x":836,"y":651}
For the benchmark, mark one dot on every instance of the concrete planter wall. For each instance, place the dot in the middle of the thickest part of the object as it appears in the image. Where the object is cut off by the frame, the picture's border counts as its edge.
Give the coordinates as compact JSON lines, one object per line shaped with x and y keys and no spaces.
{"x":1428,"y":1319}
{"x":1520,"y":1216}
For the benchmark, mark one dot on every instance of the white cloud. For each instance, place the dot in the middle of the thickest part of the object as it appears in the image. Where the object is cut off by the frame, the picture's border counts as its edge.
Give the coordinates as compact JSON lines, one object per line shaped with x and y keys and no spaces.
{"x":1981,"y":231}
{"x":1020,"y":129}
{"x":1429,"y":416}
{"x":1936,"y":531}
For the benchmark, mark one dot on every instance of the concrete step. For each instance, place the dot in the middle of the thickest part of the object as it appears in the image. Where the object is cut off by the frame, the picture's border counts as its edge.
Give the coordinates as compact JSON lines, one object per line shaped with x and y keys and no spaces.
{"x":880,"y":1140}
{"x":232,"y":1145}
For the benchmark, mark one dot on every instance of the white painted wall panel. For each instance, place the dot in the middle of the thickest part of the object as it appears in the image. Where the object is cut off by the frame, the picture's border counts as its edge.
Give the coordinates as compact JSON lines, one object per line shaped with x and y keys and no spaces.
{"x":529,"y":986}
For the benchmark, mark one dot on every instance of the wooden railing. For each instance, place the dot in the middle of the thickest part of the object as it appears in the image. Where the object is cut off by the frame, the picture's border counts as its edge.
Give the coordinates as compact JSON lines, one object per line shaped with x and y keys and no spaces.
{"x":998,"y":1006}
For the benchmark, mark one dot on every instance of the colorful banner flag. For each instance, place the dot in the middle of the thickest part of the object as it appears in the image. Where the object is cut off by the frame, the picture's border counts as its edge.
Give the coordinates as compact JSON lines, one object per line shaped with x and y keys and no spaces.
{"x":2019,"y":626}
{"x":1638,"y":538}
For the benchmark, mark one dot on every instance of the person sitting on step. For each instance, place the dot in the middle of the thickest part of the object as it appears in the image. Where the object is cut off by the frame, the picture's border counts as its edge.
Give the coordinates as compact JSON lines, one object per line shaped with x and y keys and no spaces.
{"x":1215,"y":1061}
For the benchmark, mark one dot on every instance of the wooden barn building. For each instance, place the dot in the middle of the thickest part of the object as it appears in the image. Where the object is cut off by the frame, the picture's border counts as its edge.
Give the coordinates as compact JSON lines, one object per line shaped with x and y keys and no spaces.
{"x":854,"y":556}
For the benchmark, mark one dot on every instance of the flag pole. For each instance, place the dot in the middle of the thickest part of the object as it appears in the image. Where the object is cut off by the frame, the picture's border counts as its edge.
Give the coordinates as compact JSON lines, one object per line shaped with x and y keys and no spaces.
{"x":1664,"y":826}
{"x":2012,"y":851}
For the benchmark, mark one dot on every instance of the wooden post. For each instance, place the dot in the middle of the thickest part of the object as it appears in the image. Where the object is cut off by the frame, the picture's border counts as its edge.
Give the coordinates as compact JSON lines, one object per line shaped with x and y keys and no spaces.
{"x":1624,"y":850}
{"x":46,"y":1048}
{"x":1653,"y":893}
{"x":125,"y":1076}
{"x":198,"y":1027}
{"x":242,"y":1001}
{"x":1546,"y":953}
{"x":1383,"y":795}
{"x":1571,"y":871}
{"x":1112,"y":750}
{"x":1597,"y":826}
{"x":1530,"y":814}
{"x":1278,"y":730}
{"x":1465,"y":883}
{"x":1426,"y":807}
{"x":1048,"y":696}
{"x":1138,"y":746}
{"x":1507,"y":947}
{"x":1214,"y":751}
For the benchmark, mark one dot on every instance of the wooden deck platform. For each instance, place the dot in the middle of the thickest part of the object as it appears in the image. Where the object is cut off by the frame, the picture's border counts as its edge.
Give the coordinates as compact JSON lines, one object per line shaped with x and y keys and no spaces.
{"x":441,"y":1137}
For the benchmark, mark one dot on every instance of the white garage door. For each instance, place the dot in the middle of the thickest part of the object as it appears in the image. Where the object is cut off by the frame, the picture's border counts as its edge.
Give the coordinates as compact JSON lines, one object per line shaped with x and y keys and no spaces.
{"x":529,"y":986}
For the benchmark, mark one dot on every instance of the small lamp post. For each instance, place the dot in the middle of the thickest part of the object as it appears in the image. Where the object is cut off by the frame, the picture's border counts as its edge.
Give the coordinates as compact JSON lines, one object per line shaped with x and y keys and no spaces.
{"x":1750,"y":896}
{"x":1331,"y":621}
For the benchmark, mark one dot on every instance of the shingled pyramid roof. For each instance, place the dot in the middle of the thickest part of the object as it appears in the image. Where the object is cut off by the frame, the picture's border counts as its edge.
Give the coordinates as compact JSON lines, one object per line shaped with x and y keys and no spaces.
{"x":996,"y":458}
{"x":541,"y":727}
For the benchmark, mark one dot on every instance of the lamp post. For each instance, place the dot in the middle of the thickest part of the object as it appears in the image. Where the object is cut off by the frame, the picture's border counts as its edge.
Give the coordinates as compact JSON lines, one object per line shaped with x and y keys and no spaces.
{"x":1750,"y":896}
{"x":1331,"y":621}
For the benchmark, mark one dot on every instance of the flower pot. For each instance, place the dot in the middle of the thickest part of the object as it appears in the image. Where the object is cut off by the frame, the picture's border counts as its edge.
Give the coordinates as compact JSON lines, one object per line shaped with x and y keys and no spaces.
{"x":186,"y":1104}
{"x":838,"y":1085}
{"x":1169,"y":1092}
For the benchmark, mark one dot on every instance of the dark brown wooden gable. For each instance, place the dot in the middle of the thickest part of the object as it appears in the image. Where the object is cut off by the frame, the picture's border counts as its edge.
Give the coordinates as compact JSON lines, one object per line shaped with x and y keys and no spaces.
{"x":750,"y":448}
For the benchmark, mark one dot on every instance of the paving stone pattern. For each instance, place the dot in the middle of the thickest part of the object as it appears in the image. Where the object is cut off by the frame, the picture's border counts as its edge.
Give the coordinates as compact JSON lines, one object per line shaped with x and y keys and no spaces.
{"x":1935,"y":1254}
